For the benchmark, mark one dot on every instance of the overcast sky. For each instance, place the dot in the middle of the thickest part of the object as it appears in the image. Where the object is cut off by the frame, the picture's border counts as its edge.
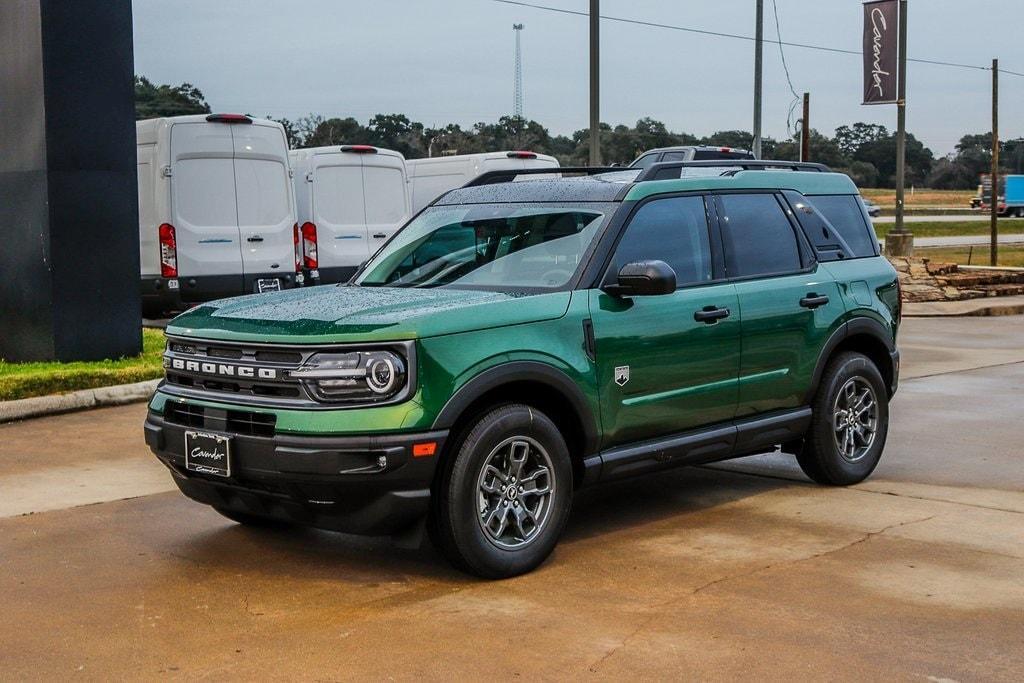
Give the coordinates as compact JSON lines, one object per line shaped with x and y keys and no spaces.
{"x":452,"y":60}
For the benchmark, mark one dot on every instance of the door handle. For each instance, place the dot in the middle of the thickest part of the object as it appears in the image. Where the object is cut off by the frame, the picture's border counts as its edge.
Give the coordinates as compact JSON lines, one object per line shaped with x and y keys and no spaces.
{"x":254,"y":238}
{"x":379,"y":235}
{"x":813,"y":300}
{"x":709,"y":315}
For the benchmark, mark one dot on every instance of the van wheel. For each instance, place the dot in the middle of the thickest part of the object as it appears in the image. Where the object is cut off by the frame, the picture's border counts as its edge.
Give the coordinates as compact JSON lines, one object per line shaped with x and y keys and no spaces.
{"x":849,"y":424}
{"x":505,"y":494}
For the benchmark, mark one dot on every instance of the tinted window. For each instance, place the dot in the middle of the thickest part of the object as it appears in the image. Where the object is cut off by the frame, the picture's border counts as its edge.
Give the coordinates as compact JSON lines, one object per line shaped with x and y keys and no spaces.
{"x":644,"y":161}
{"x":843,"y":211}
{"x":673,"y":230}
{"x":759,"y":239}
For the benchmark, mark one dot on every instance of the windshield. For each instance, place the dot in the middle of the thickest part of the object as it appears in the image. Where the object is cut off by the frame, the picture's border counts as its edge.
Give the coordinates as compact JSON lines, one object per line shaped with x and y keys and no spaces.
{"x":503,"y":246}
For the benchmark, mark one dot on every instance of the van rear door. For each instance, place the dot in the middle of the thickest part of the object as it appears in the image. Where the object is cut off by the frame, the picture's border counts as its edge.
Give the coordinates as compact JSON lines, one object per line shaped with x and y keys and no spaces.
{"x":204,"y":210}
{"x":342,"y":238}
{"x":264,"y":203}
{"x":385,"y":197}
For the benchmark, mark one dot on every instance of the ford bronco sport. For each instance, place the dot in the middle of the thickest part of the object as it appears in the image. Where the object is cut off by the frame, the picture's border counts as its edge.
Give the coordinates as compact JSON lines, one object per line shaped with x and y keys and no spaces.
{"x":517,"y":341}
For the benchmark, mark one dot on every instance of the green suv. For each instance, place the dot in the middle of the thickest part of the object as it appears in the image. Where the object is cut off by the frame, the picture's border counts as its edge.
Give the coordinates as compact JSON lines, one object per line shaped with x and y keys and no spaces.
{"x":518,"y":341}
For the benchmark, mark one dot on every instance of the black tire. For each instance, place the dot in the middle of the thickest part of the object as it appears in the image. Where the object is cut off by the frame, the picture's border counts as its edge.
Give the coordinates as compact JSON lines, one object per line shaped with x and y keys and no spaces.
{"x":460,"y":507}
{"x":822,"y":455}
{"x":251,"y":520}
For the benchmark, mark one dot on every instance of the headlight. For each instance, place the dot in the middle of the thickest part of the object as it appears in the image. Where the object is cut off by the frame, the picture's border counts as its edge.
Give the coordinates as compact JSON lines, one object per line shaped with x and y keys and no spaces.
{"x":354,"y":377}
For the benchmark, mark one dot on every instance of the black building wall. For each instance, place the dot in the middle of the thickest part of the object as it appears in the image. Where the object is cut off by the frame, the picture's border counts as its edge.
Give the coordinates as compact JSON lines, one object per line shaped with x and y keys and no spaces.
{"x":69,"y":252}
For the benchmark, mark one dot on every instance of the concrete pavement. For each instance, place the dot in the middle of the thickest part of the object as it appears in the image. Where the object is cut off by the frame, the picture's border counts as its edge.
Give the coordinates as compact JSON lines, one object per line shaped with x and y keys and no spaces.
{"x":738,"y":569}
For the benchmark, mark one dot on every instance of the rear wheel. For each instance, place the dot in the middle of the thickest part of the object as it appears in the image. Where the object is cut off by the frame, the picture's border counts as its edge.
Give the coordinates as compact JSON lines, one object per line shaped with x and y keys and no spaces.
{"x":504,"y":498}
{"x":849,"y":424}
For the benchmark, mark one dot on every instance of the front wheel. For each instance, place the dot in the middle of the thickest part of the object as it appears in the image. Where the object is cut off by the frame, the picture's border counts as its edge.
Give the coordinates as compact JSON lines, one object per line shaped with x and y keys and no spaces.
{"x":849,"y":424}
{"x":504,"y":498}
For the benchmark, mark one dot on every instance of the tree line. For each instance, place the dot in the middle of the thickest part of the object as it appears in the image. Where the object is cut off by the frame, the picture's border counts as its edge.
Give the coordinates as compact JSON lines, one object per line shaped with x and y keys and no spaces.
{"x":865,"y":151}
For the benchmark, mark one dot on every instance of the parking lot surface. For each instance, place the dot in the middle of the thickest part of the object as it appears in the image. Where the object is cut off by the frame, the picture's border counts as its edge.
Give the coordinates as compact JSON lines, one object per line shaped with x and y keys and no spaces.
{"x":741,"y":568}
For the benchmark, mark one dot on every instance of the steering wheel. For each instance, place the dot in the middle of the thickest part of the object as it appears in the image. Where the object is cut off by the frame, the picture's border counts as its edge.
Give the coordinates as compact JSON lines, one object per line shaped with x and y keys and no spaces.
{"x":562,"y":275}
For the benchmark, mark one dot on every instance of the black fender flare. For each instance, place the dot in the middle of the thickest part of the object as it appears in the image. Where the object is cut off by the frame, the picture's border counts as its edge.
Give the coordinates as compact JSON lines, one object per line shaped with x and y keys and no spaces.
{"x":856,"y":326}
{"x":519,"y":371}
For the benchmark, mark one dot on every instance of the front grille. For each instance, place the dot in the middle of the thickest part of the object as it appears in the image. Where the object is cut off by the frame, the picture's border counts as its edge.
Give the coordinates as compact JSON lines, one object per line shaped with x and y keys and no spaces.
{"x":207,"y":360}
{"x":256,"y":373}
{"x":240,"y":422}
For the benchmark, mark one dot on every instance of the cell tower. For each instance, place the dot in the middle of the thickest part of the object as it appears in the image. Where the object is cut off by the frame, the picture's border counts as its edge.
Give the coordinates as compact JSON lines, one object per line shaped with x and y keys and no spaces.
{"x":517,"y":107}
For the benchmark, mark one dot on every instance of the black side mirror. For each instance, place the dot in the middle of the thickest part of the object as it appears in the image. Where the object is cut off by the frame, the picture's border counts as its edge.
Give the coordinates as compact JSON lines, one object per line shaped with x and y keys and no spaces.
{"x":644,"y":278}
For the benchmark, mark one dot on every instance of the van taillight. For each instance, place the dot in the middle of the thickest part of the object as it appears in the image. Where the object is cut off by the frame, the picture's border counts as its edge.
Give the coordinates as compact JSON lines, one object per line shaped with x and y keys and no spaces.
{"x":168,"y":251}
{"x":297,"y":245}
{"x":309,"y":245}
{"x":521,"y":155}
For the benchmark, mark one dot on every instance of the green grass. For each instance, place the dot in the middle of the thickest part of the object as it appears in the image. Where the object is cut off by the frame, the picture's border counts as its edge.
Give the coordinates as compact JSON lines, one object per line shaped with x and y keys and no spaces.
{"x":921,"y":197}
{"x":23,"y":380}
{"x":949,"y":229}
{"x":1008,"y":255}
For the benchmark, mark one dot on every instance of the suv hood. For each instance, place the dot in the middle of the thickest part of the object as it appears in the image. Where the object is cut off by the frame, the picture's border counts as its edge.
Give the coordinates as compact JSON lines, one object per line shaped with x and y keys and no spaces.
{"x":343,"y":314}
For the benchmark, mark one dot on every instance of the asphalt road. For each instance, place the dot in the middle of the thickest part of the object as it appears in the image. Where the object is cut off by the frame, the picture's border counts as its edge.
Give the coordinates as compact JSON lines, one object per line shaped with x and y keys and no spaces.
{"x":947,"y":218}
{"x":740,"y":569}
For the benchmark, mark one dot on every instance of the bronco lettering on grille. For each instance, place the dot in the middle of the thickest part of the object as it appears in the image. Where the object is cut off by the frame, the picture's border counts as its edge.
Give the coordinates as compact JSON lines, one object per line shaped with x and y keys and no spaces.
{"x":223,"y":370}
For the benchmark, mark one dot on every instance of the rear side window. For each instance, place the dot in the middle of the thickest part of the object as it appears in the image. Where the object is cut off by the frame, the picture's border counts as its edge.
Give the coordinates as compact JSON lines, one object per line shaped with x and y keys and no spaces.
{"x":673,"y":230}
{"x":843,"y":212}
{"x":644,"y":161}
{"x":758,"y":238}
{"x":674,"y":156}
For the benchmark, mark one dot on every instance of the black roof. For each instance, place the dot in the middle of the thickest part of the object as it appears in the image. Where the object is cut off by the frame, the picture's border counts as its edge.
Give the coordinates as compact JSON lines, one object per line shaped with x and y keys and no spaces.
{"x":588,"y":189}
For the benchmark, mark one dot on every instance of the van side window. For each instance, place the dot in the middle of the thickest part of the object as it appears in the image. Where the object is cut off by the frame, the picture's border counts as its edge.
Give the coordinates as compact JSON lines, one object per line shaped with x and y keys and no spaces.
{"x":673,"y":230}
{"x":757,"y":236}
{"x":844,"y":213}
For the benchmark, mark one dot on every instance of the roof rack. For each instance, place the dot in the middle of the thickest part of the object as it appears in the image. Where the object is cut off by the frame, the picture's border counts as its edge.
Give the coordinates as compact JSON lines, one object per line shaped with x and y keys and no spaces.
{"x":664,"y":170}
{"x":509,"y":174}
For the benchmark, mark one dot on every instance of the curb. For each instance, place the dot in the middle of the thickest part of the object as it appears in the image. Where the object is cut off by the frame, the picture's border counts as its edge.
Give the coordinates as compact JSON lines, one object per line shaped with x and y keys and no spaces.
{"x":982,"y":311}
{"x":85,"y":399}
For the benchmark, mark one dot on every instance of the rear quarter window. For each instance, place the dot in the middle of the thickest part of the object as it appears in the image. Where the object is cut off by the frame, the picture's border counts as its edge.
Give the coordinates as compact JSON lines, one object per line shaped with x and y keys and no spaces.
{"x":845,"y":217}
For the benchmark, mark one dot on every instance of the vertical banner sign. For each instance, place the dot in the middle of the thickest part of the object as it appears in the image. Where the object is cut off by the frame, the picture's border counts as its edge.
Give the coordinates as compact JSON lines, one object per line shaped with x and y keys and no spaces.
{"x":881,"y":51}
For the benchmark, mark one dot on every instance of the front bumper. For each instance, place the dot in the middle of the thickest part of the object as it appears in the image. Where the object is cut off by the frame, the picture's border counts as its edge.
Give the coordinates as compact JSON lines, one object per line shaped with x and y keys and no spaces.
{"x":363,"y":484}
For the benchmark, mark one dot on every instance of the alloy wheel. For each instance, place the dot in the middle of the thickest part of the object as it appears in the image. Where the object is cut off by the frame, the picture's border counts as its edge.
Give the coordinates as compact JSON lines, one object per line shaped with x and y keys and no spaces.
{"x":514,"y":492}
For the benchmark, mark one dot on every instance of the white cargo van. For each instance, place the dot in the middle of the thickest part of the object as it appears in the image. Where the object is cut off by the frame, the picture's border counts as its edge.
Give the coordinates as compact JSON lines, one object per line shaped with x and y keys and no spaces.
{"x":216,"y":209}
{"x":350,"y":200}
{"x":430,"y":178}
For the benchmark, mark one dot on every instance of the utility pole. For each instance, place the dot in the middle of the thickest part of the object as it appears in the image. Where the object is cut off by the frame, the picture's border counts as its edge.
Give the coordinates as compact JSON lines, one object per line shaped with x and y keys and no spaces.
{"x":595,"y":77}
{"x":758,"y":49}
{"x":994,"y":201}
{"x":517,"y":97}
{"x":900,"y":242}
{"x":805,"y":129}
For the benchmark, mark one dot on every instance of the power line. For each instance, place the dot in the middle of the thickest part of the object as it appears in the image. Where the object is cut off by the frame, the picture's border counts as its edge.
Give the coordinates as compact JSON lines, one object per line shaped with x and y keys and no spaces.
{"x":785,"y":67}
{"x":736,"y":36}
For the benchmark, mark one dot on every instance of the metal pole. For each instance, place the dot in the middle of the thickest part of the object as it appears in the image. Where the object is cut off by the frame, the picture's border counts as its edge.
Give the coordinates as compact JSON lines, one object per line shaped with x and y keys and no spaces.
{"x":805,"y":130}
{"x":758,"y":48}
{"x":994,"y":202}
{"x":901,"y":242}
{"x":595,"y":74}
